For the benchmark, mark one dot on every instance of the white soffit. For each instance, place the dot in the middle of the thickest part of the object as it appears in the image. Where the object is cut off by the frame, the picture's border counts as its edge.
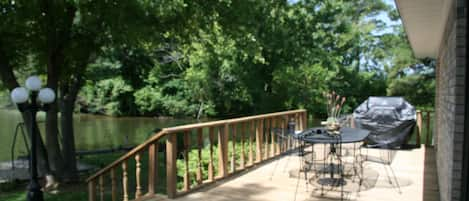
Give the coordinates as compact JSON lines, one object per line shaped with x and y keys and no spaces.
{"x":424,"y":23}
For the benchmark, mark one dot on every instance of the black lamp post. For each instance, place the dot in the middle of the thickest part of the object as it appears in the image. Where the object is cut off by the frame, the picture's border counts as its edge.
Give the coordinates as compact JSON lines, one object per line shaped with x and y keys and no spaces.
{"x":20,"y":96}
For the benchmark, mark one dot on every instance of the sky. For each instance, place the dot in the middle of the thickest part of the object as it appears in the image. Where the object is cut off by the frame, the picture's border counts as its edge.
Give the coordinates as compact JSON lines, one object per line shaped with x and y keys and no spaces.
{"x":382,"y":16}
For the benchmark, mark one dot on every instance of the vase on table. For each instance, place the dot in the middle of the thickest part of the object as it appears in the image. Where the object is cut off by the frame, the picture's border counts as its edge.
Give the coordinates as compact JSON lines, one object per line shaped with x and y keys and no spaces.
{"x":332,"y":125}
{"x":334,"y":108}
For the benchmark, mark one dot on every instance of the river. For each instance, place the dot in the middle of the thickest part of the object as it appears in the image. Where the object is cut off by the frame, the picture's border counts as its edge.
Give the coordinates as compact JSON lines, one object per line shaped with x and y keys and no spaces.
{"x":91,"y":131}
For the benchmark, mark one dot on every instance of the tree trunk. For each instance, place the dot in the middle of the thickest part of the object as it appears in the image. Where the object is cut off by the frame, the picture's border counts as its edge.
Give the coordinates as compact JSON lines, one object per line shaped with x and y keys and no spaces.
{"x":68,"y":140}
{"x":52,"y":142}
{"x":52,"y":133}
{"x":69,"y":94}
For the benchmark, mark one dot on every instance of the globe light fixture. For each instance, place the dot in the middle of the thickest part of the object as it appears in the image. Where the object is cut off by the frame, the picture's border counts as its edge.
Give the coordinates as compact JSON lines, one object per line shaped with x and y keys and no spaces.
{"x":33,"y":83}
{"x":20,"y":96}
{"x":46,"y":95}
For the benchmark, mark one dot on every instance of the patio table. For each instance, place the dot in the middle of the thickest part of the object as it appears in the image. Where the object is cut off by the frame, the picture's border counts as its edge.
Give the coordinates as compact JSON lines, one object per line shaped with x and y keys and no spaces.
{"x":319,"y":135}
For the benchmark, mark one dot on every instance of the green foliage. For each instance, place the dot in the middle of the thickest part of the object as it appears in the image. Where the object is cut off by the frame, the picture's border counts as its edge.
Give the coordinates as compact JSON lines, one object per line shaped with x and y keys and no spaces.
{"x":109,"y":96}
{"x":415,"y":89}
{"x":226,"y":58}
{"x":409,"y":77}
{"x":194,"y":165}
{"x":205,"y":159}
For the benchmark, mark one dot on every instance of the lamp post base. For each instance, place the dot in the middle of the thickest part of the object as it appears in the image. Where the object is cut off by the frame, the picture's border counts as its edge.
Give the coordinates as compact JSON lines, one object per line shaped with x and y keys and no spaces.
{"x":34,"y":192}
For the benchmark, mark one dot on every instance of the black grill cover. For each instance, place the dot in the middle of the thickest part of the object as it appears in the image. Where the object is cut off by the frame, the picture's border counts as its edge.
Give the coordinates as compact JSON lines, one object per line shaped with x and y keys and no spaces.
{"x":390,"y":120}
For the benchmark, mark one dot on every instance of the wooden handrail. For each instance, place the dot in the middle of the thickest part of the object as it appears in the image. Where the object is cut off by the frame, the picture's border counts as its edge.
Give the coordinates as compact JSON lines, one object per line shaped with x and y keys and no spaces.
{"x":229,"y":121}
{"x":223,"y":130}
{"x":176,"y":129}
{"x":129,"y":154}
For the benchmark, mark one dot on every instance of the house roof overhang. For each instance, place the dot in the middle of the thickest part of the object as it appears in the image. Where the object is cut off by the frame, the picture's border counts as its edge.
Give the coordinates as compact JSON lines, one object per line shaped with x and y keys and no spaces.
{"x":424,"y":23}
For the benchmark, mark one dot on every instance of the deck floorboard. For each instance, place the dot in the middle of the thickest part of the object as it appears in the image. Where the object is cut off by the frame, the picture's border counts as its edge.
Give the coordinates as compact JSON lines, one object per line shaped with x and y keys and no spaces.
{"x":414,"y":169}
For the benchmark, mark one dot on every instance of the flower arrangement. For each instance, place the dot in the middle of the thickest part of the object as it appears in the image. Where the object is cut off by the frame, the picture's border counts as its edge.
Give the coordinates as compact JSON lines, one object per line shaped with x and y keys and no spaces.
{"x":334,"y":107}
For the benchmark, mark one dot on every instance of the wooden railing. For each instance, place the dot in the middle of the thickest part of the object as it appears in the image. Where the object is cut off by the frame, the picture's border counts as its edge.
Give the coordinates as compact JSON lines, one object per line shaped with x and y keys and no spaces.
{"x":424,"y":127}
{"x":255,"y":135}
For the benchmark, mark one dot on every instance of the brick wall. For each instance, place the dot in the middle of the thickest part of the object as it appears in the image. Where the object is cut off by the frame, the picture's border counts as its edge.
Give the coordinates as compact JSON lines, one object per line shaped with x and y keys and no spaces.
{"x":450,"y":99}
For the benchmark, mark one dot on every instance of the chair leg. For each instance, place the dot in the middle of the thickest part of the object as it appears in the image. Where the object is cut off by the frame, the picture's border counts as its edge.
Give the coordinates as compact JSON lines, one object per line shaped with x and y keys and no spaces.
{"x":396,"y":181}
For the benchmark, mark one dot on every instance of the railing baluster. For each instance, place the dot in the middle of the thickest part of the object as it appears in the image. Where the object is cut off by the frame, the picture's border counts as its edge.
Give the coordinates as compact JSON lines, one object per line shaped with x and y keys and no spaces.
{"x":252,"y":131}
{"x":419,"y":126}
{"x":124,"y":181}
{"x":200,"y":144}
{"x":272,"y":137}
{"x":152,"y":167}
{"x":233,"y":148}
{"x":113,"y":185}
{"x":210,"y":163}
{"x":427,"y":137}
{"x":278,"y":134}
{"x":244,"y":129}
{"x":91,"y":191}
{"x":138,"y":170}
{"x":289,"y":140}
{"x":101,"y":188}
{"x":266,"y":132}
{"x":187,"y":185}
{"x":259,"y":143}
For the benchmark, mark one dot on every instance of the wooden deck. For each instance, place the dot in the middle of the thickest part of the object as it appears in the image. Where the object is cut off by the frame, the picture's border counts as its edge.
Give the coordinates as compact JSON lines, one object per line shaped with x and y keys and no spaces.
{"x":275,"y":180}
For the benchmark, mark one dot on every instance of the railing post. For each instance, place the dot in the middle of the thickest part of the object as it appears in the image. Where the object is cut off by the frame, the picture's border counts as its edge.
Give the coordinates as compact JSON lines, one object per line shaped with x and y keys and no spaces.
{"x":152,"y":163}
{"x":171,"y":148}
{"x":187,"y":182}
{"x":200,"y":146}
{"x":91,"y":191}
{"x":419,"y":126}
{"x":223,"y":150}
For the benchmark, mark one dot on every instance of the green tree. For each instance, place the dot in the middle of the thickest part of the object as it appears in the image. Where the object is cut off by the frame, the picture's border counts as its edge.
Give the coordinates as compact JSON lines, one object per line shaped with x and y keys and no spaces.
{"x":407,"y":76}
{"x":64,"y":37}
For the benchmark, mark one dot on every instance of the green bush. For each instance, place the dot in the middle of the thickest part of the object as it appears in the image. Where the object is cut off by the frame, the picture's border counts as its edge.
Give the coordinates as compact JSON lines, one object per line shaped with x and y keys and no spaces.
{"x":109,"y":96}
